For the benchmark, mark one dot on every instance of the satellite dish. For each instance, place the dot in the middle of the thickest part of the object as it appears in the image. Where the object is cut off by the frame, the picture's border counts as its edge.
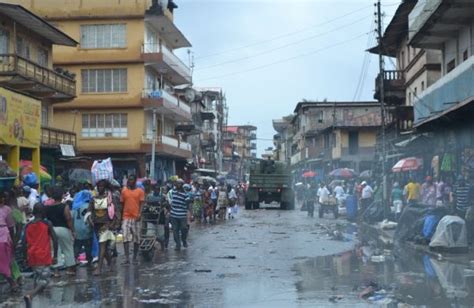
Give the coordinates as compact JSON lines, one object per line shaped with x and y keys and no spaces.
{"x":189,"y":94}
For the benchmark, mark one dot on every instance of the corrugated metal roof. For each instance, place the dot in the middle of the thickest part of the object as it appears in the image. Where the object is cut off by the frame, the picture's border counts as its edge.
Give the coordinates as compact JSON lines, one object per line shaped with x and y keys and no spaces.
{"x":36,"y":24}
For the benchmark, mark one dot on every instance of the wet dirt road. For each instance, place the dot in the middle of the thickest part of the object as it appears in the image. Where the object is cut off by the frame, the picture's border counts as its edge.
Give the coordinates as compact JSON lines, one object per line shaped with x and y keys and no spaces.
{"x":269,"y":258}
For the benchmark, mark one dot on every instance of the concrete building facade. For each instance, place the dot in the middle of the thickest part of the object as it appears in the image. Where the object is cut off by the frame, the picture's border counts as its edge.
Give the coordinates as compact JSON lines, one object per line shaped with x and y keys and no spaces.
{"x":127,"y":69}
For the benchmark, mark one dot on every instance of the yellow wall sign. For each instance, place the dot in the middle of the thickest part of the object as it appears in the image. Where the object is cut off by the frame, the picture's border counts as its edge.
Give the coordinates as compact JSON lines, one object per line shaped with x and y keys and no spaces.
{"x":20,"y":119}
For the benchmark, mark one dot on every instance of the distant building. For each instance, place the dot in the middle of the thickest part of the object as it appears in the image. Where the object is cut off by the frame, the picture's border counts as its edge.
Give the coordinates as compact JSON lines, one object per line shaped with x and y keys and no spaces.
{"x":240,"y":148}
{"x":329,"y":135}
{"x":283,"y":139}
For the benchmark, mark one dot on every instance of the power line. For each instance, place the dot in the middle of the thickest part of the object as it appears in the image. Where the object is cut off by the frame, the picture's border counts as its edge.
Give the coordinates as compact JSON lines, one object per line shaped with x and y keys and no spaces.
{"x":286,"y":60}
{"x":283,"y":46}
{"x":283,"y":35}
{"x":365,"y":67}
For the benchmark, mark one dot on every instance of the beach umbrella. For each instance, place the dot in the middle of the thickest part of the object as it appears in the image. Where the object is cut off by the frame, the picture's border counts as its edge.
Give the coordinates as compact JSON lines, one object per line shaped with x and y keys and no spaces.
{"x":343,"y":173}
{"x":407,"y":164}
{"x":309,"y":174}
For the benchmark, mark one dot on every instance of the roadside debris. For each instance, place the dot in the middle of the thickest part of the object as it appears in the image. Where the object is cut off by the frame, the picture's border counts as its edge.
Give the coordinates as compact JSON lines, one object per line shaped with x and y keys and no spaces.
{"x":202,"y":271}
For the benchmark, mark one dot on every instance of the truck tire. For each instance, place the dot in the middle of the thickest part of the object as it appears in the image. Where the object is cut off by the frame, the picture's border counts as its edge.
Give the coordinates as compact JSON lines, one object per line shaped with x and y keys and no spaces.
{"x":290,"y":206}
{"x":256,"y":205}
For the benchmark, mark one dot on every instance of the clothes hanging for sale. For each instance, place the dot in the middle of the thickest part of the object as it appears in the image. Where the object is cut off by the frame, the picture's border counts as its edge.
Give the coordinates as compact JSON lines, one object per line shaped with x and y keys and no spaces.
{"x":448,"y":162}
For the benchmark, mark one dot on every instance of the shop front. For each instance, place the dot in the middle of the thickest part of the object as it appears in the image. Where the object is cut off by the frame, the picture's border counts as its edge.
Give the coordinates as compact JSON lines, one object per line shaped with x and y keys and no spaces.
{"x":20,"y":129}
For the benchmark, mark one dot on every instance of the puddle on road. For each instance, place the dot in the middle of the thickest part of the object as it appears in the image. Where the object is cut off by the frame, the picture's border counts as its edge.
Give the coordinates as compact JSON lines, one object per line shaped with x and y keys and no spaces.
{"x":414,"y":280}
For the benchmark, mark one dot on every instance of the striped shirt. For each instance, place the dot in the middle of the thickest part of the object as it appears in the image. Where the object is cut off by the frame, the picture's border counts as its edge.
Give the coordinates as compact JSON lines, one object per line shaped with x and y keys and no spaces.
{"x":179,"y":209}
{"x":463,"y":194}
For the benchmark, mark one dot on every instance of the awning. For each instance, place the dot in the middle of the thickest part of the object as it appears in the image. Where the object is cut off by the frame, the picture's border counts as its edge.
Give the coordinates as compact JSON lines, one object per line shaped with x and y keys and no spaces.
{"x":407,"y":142}
{"x":460,"y":112}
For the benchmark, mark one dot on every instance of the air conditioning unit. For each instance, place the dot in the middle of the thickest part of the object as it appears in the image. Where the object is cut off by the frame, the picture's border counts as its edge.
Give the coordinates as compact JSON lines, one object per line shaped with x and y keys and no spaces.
{"x":108,"y":135}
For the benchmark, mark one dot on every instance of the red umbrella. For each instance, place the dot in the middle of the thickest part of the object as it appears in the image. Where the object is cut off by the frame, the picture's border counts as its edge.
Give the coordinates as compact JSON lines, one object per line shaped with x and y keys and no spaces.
{"x":407,"y":164}
{"x":343,"y":173}
{"x":309,"y":174}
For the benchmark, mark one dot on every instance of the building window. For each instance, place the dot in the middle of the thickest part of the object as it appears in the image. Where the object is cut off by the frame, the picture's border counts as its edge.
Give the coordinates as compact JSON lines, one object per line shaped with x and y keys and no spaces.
{"x":43,"y":57}
{"x":326,"y":141}
{"x":422,"y":86}
{"x":465,"y":55}
{"x":353,"y":143}
{"x":402,"y":61}
{"x":4,"y":41}
{"x":44,"y":115}
{"x":100,"y":125}
{"x":23,"y":48}
{"x":451,"y":65}
{"x":409,"y":98}
{"x":104,"y":80}
{"x":320,"y":116}
{"x":104,"y":36}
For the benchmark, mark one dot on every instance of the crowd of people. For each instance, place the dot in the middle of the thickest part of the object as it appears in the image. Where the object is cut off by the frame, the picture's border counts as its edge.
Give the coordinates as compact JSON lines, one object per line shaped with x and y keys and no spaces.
{"x":432,"y":193}
{"x":37,"y":229}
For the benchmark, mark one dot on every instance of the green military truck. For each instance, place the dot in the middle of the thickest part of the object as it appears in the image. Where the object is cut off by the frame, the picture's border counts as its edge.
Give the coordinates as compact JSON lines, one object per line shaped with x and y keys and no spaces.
{"x":269,"y":181}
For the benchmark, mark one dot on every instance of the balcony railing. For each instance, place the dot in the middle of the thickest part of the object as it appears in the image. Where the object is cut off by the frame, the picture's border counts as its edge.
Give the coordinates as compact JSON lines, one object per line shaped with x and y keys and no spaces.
{"x":394,"y":87}
{"x":253,"y":146}
{"x":11,"y":64}
{"x":167,"y":140}
{"x":169,"y":98}
{"x":253,"y":136}
{"x":52,"y":137}
{"x":167,"y":56}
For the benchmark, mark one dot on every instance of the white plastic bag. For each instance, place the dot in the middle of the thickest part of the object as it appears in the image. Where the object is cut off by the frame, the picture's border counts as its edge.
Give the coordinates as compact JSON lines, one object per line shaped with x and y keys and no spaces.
{"x":102,"y":170}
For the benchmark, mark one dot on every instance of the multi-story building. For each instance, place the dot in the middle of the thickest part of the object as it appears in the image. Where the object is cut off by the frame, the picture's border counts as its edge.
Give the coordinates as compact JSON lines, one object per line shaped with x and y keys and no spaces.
{"x":213,"y":116}
{"x":283,"y":139}
{"x":330,"y":135}
{"x":29,"y":89}
{"x":127,"y":71}
{"x":240,"y":147}
{"x":416,"y":69}
{"x":445,"y":108}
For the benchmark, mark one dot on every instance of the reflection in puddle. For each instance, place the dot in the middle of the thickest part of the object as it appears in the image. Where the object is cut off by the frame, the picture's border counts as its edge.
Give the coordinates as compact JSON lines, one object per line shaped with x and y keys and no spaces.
{"x":411,"y":279}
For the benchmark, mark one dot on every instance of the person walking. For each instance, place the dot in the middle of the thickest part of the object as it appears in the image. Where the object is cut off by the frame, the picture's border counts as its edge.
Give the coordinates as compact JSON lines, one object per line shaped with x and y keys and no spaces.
{"x":222,"y":202}
{"x":60,"y":217}
{"x":82,"y":227}
{"x":179,"y":214}
{"x":412,"y":192}
{"x":38,"y":235}
{"x":7,"y":246}
{"x":153,"y":213}
{"x":232,"y":201}
{"x":428,"y":193}
{"x":102,"y":218}
{"x":132,"y":199}
{"x":397,"y":200}
{"x":367,"y":196}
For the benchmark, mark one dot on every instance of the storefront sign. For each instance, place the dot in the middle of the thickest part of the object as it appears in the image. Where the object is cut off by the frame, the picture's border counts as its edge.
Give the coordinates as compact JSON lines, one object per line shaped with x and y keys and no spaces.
{"x":20,"y":120}
{"x":67,"y":150}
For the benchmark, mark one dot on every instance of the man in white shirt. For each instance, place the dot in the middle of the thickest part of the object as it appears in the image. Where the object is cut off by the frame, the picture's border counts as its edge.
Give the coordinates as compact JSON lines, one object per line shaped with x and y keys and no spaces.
{"x":367,"y":196}
{"x":323,"y":194}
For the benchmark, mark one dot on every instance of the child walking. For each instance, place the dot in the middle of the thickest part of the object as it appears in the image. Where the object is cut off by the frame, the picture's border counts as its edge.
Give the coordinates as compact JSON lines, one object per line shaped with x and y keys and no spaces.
{"x":37,"y":245}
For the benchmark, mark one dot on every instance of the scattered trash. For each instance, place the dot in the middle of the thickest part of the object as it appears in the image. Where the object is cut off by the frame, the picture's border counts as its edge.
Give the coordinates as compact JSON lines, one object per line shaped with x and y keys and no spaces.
{"x":377,"y":259}
{"x":202,"y":270}
{"x":388,"y":225}
{"x":335,"y":298}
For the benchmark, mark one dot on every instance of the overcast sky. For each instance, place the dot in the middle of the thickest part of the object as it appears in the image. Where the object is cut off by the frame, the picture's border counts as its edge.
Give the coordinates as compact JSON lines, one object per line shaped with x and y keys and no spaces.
{"x":268,"y":55}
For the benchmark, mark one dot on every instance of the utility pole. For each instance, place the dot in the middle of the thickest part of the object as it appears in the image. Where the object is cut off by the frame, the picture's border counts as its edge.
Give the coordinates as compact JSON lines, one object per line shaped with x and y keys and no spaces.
{"x":333,"y":135}
{"x":153,"y":147}
{"x":382,"y":107}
